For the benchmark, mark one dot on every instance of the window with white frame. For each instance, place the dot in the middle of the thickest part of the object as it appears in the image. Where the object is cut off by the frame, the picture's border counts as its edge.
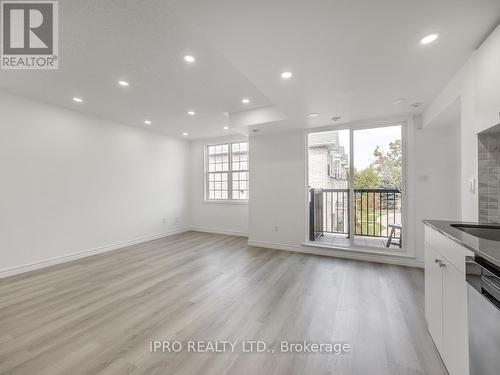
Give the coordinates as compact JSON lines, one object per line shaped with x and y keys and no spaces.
{"x":226,"y":171}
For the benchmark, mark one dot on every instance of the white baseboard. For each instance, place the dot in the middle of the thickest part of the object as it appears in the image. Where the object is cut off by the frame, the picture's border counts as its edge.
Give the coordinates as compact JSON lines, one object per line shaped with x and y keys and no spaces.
{"x":86,"y":253}
{"x":219,"y":231}
{"x":369,"y":257}
{"x":400,"y":260}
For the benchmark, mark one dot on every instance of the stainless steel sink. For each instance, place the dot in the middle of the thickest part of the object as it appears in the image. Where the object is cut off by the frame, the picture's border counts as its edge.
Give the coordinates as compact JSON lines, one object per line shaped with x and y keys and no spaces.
{"x":487,"y":232}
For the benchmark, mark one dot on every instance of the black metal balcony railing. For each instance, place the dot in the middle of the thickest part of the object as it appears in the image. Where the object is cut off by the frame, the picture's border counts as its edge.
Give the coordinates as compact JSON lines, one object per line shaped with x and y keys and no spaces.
{"x":374,"y":210}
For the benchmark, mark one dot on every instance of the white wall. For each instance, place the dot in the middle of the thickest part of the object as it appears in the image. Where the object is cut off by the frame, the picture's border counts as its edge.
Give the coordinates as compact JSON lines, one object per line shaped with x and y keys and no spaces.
{"x":71,"y":183}
{"x":229,"y":218}
{"x":278,"y":189}
{"x":437,"y":177}
{"x":461,"y":90}
{"x":465,"y":88}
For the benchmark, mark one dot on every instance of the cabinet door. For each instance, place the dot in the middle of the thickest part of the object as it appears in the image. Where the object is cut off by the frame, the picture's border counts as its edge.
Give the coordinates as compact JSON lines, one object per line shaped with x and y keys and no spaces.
{"x":434,"y":296}
{"x":455,"y":335}
{"x":488,"y":82}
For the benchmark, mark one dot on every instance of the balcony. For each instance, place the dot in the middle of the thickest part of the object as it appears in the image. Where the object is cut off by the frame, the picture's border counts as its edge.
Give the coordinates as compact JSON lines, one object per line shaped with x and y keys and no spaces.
{"x":375,"y":213}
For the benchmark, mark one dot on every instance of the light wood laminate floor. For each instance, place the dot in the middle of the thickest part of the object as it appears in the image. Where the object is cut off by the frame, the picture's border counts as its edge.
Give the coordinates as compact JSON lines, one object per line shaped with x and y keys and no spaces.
{"x":98,"y":315}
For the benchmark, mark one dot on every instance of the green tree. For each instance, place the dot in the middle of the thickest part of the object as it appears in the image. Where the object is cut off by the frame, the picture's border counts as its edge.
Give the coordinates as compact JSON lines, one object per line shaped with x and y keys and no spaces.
{"x":383,"y":173}
{"x":389,"y":165}
{"x":367,"y":178}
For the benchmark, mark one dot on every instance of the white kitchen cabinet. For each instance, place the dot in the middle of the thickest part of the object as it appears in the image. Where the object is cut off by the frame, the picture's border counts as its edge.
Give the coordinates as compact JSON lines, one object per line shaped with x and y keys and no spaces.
{"x":446,"y":299}
{"x":434,"y":296}
{"x":488,"y":82}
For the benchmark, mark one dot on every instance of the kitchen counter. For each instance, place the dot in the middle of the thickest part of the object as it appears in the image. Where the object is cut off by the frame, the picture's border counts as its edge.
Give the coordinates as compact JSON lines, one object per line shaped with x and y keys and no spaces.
{"x":486,"y":249}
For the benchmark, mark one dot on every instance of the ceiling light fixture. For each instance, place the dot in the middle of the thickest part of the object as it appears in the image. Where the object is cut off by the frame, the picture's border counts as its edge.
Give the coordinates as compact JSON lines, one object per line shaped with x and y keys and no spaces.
{"x":123,"y":83}
{"x":416,"y":105}
{"x":286,"y":75}
{"x":245,"y":101}
{"x":185,"y":134}
{"x":398,"y":101}
{"x":78,"y":100}
{"x":429,"y":38}
{"x":313,"y":115}
{"x":189,"y":59}
{"x":147,"y":122}
{"x":191,"y":113}
{"x":226,"y":127}
{"x":336,"y":118}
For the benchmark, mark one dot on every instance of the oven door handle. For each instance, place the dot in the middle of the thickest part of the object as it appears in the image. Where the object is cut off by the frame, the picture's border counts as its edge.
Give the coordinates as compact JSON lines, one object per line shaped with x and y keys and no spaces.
{"x":492,"y":288}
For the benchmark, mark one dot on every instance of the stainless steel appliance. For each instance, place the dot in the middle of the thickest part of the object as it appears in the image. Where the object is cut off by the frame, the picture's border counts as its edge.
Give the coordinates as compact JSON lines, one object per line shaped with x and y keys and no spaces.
{"x":483,"y":300}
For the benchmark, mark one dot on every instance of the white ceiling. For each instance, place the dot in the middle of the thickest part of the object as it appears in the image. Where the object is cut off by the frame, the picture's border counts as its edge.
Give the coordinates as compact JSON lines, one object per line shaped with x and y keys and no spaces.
{"x":350,"y":58}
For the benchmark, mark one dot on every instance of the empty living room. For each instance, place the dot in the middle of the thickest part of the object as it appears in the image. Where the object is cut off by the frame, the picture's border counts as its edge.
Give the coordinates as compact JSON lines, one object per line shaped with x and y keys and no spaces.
{"x":249,"y":187}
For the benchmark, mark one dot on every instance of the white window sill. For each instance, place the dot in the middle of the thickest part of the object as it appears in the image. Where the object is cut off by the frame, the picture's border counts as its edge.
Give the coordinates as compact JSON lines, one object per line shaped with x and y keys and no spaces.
{"x":226,"y":201}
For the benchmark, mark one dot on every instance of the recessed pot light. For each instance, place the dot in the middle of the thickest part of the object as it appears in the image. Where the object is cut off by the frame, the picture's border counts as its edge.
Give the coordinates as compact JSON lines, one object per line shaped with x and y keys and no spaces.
{"x":226,"y":127}
{"x":147,"y":122}
{"x":398,"y":101}
{"x":77,"y":100}
{"x":245,"y":100}
{"x":189,"y":59}
{"x":123,"y":83}
{"x":336,"y":118}
{"x":416,"y":105}
{"x":429,"y":38}
{"x":191,"y":113}
{"x":185,"y":134}
{"x":286,"y":75}
{"x":313,"y":115}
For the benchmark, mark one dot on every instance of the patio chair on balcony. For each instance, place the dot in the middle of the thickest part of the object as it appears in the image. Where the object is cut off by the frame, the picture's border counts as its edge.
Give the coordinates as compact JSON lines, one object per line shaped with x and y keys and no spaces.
{"x":392,"y":240}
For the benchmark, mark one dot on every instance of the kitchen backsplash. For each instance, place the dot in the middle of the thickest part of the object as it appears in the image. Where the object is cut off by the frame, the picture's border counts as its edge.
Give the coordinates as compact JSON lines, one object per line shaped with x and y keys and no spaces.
{"x":489,"y":178}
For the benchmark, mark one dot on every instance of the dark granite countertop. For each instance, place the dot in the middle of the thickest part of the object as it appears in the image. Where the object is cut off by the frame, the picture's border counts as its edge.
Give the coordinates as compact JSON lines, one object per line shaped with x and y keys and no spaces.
{"x":486,"y":249}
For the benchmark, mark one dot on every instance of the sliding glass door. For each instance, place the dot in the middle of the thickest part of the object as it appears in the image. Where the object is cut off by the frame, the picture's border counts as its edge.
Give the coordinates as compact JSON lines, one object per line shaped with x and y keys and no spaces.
{"x":356,"y":187}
